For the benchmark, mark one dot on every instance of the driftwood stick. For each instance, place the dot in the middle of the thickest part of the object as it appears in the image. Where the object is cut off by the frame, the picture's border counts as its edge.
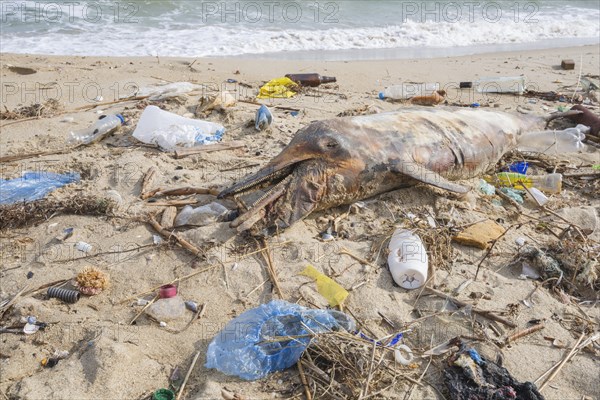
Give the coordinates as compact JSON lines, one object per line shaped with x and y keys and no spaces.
{"x":18,"y":157}
{"x":155,"y":288}
{"x":557,"y":367}
{"x":181,"y":152}
{"x":147,"y":180}
{"x":484,"y":313}
{"x":185,"y":191}
{"x":489,"y":251}
{"x":187,"y":376}
{"x":271,"y":268}
{"x":304,"y":381}
{"x":171,"y":203}
{"x":166,"y":234}
{"x":345,"y":251}
{"x":523,"y":333}
{"x":143,"y":309}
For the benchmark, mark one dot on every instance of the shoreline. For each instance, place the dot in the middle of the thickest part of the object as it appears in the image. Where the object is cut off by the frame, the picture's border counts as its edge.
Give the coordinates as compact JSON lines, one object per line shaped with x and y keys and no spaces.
{"x":359,"y":54}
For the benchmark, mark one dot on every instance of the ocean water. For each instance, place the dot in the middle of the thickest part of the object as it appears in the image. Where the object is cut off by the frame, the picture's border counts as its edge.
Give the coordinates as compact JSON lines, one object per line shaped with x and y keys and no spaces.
{"x":334,"y":29}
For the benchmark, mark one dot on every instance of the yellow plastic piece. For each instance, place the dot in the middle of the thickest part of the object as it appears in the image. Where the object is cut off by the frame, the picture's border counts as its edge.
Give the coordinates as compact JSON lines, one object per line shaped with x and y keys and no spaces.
{"x":281,"y":88}
{"x":330,"y":289}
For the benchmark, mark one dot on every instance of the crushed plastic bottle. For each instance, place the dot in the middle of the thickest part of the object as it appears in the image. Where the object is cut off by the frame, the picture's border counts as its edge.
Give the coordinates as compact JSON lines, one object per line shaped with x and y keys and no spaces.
{"x":550,"y":183}
{"x":408,"y":90}
{"x":250,"y":345}
{"x":33,"y":186}
{"x":105,"y":125}
{"x":502,"y":84}
{"x":566,"y":141}
{"x":161,"y":92}
{"x":168,"y":130}
{"x":201,"y":216}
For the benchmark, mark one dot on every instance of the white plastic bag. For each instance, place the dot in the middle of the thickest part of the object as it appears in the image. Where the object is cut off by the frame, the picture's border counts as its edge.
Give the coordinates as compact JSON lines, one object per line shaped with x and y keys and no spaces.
{"x":168,"y":130}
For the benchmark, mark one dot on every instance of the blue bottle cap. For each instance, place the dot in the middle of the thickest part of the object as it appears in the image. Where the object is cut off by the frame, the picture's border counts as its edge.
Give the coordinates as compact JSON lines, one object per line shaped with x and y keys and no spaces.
{"x":381,"y":96}
{"x":121,"y":118}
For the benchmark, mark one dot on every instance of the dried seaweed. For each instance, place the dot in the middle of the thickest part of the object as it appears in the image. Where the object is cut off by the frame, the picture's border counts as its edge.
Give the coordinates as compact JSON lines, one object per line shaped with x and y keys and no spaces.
{"x":339,"y":365}
{"x":47,"y":109}
{"x":24,"y":214}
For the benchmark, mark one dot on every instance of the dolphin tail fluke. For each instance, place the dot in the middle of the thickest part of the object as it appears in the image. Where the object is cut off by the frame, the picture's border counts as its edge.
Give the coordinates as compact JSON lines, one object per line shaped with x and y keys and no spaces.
{"x":422,"y":174}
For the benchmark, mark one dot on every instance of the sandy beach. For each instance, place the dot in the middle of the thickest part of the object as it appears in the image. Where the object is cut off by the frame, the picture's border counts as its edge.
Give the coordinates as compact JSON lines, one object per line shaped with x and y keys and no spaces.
{"x":109,"y":358}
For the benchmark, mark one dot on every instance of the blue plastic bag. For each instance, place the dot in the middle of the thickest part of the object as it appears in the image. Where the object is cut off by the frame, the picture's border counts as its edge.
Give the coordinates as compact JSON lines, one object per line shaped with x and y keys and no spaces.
{"x":250,"y":346}
{"x":33,"y":186}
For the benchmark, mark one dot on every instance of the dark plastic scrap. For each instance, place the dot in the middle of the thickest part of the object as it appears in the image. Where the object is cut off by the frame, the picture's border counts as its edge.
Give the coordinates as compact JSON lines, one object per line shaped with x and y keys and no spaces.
{"x":469,"y":376}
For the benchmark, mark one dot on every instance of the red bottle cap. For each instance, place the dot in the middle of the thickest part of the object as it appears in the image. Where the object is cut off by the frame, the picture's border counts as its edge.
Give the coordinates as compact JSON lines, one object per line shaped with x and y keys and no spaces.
{"x":167,"y":291}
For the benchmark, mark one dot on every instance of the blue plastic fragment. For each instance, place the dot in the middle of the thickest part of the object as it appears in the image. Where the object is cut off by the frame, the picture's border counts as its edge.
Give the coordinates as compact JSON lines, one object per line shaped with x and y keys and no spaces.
{"x":253,"y":345}
{"x":520,"y":167}
{"x":33,"y":186}
{"x":476,"y":357}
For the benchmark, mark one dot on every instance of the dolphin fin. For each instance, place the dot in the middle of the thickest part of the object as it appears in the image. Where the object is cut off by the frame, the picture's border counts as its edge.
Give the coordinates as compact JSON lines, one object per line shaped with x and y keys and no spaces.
{"x":422,"y":174}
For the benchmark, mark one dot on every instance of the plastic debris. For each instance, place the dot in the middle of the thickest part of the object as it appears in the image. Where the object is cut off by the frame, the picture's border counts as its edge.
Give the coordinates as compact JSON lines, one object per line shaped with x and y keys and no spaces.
{"x":400,"y":358}
{"x":547,"y":265}
{"x":163,"y":394}
{"x":327,"y":287}
{"x":520,"y":167}
{"x":191,"y":305}
{"x":83,"y":246}
{"x":201,"y":216}
{"x":168,"y":130}
{"x":537,"y":196}
{"x":550,"y":183}
{"x":31,"y":327}
{"x":218,"y":102}
{"x":471,"y":376}
{"x":66,"y":295}
{"x":486,"y":188}
{"x":33,"y":186}
{"x":408,"y":261}
{"x":161,"y":92}
{"x":505,"y":84}
{"x":263,"y":118}
{"x":278,"y":88}
{"x":94,"y":133}
{"x":167,"y":291}
{"x":516,"y":195}
{"x":253,"y":345}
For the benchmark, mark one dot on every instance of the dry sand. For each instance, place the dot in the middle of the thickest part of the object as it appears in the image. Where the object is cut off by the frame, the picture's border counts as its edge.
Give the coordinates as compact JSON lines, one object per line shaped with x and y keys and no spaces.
{"x":128,"y":362}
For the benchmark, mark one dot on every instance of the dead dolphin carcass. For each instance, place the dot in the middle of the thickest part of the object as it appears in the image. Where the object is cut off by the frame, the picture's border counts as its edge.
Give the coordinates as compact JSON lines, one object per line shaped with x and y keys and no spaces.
{"x":344,"y":160}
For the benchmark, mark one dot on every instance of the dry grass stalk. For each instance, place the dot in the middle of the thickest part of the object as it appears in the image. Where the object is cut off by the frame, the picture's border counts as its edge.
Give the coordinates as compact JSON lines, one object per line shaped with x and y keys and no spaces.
{"x":339,"y":365}
{"x":49,"y":108}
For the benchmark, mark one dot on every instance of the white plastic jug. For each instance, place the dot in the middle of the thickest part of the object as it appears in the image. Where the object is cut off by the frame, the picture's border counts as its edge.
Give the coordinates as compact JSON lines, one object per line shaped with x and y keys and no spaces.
{"x":408,"y":261}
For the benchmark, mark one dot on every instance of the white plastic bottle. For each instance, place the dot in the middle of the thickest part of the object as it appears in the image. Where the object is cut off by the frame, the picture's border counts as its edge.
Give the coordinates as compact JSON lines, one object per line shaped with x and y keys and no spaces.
{"x":566,"y":141}
{"x":408,"y":261}
{"x":106,"y":124}
{"x":408,"y":90}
